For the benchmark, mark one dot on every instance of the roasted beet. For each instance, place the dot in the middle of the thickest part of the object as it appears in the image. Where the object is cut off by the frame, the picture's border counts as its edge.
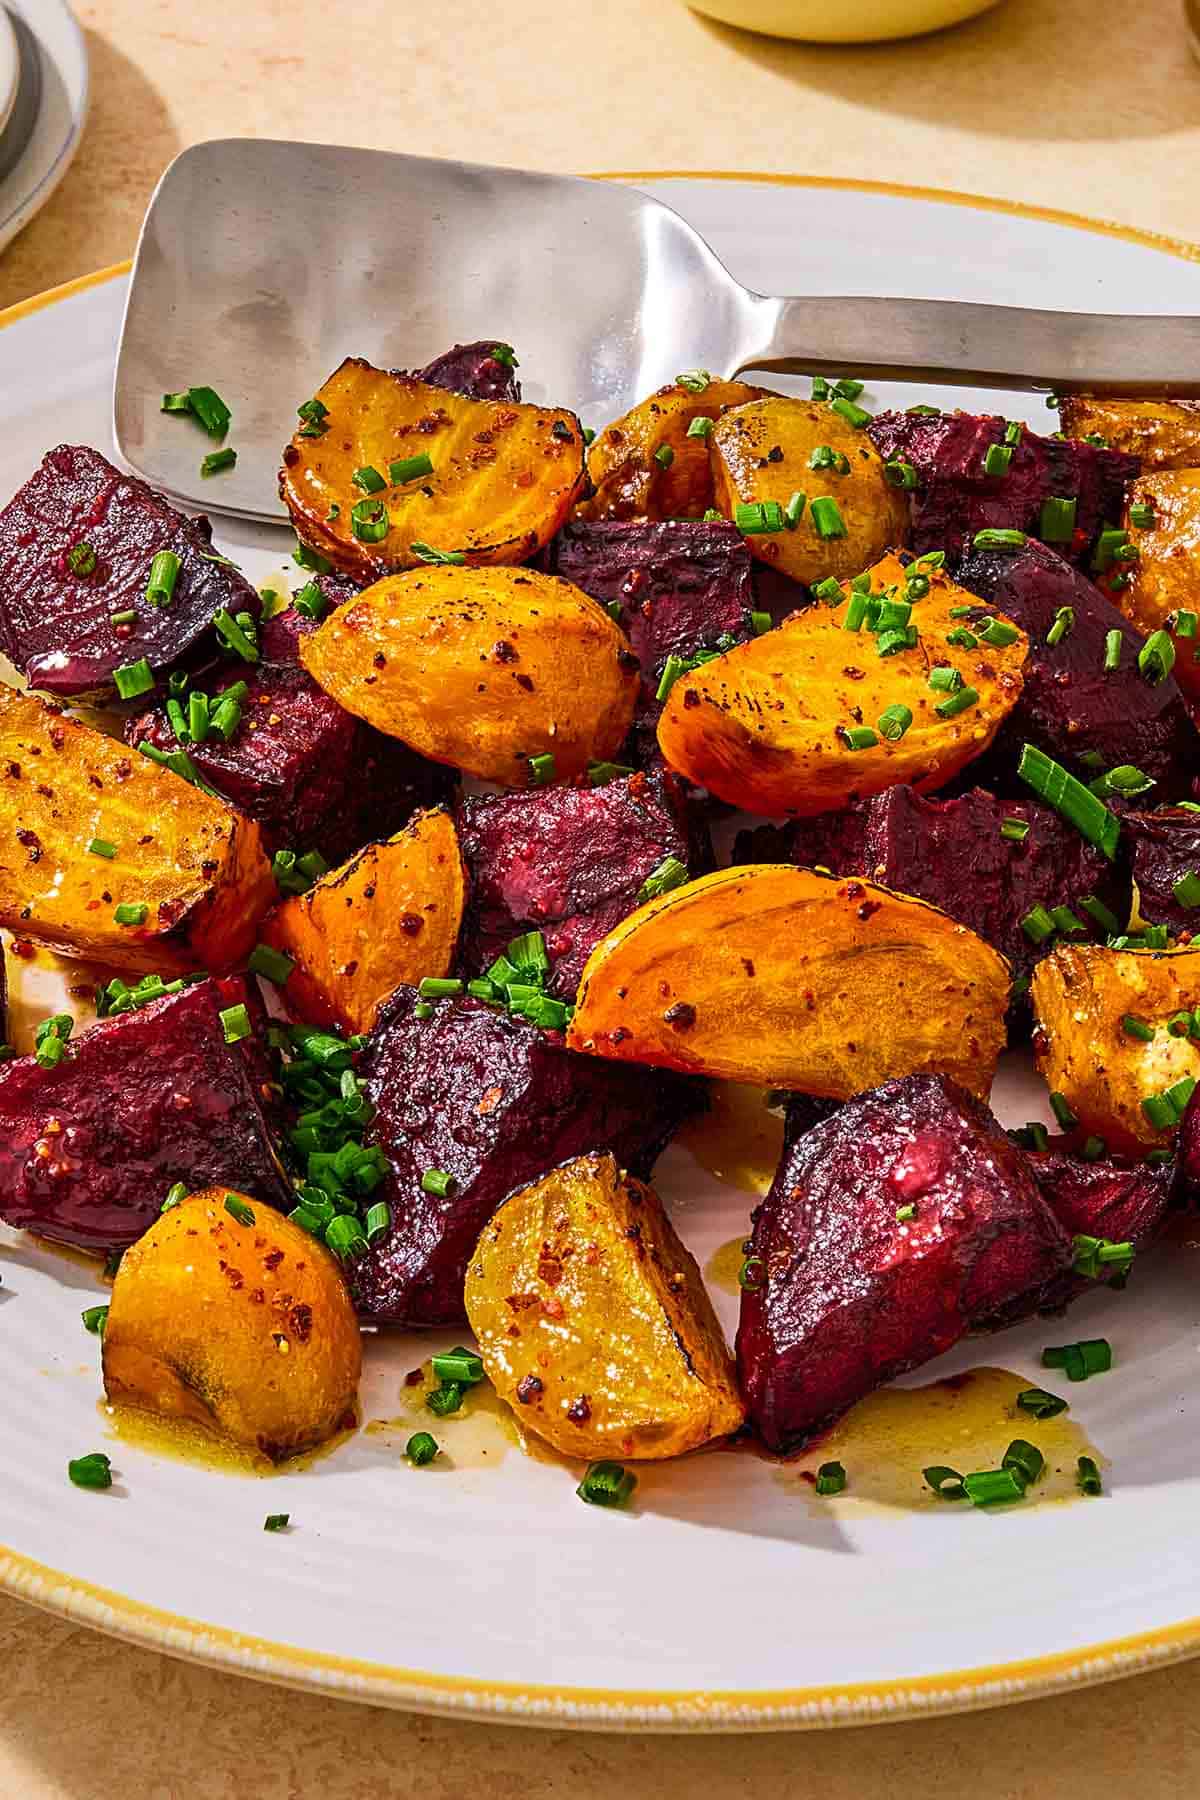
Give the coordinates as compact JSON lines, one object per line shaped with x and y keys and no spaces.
{"x":312,"y":775}
{"x":1188,"y":1145}
{"x":1164,"y":848}
{"x":476,"y":371}
{"x":953,"y":853}
{"x":849,"y":1295}
{"x":1071,"y":706}
{"x":56,"y":623}
{"x":279,"y":636}
{"x":566,"y":861}
{"x":492,"y":1103}
{"x":89,"y":1148}
{"x":956,"y":497}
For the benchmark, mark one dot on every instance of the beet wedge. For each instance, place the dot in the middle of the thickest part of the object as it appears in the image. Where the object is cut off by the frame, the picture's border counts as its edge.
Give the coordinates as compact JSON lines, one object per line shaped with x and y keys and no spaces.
{"x":90,"y":1146}
{"x":478,"y":1103}
{"x":76,"y":547}
{"x":848,"y":1288}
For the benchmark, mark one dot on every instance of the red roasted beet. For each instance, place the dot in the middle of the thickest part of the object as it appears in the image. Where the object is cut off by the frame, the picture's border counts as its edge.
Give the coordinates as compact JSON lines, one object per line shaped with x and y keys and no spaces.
{"x":1071,"y":704}
{"x":494,"y":1103}
{"x":1188,"y":1150}
{"x":851,"y":1295}
{"x":474,"y":370}
{"x":1164,"y":847}
{"x":566,"y":861}
{"x":951,"y":852}
{"x":312,"y":775}
{"x":956,"y":497}
{"x":89,"y":1148}
{"x":56,"y":625}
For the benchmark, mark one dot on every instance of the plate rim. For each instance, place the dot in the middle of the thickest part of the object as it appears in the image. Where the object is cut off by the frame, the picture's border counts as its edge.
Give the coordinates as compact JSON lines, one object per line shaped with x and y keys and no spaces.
{"x":667,"y":1710}
{"x":31,"y":201}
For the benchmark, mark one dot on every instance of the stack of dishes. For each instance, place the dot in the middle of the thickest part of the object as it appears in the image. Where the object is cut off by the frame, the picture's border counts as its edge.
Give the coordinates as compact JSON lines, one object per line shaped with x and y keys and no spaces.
{"x":43,"y":105}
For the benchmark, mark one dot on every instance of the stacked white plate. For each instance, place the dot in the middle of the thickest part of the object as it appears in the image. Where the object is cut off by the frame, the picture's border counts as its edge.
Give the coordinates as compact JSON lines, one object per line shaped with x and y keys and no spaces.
{"x":43,"y":104}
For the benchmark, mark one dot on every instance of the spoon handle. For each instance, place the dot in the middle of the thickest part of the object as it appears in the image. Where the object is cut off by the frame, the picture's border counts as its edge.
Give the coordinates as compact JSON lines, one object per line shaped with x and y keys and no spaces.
{"x":980,"y":346}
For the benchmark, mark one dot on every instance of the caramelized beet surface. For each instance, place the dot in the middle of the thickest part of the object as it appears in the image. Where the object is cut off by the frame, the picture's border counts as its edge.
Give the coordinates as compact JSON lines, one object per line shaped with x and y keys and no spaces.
{"x":56,"y":625}
{"x":89,"y":1148}
{"x":851,"y":1296}
{"x":956,"y":497}
{"x":493,"y":1103}
{"x":474,"y":370}
{"x":1071,"y":706}
{"x":1163,"y":848}
{"x":951,"y":852}
{"x":566,"y":861}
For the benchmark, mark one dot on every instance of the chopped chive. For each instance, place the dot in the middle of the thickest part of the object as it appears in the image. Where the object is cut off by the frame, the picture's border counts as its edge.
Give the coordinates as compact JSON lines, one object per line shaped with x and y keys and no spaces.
{"x":1156,"y":658}
{"x":1187,"y":889}
{"x":1099,"y":1258}
{"x":893,"y":722}
{"x":753,"y":518}
{"x":411,"y":468}
{"x":1093,"y":1356}
{"x":1077,"y":804}
{"x":176,"y":403}
{"x":1066,"y":921}
{"x":439,"y":987}
{"x":1061,"y":1109}
{"x":820,"y":388}
{"x":378,"y":1222}
{"x":957,"y":702}
{"x":1064,"y":624}
{"x":369,"y":522}
{"x":963,"y":638}
{"x":1024,"y":1460}
{"x":1109,"y":543}
{"x":176,"y":1193}
{"x":234,"y":636}
{"x":1037,"y":924}
{"x":846,"y":409}
{"x":1015,"y":830}
{"x":235,"y":1023}
{"x":237,"y":1209}
{"x":1057,"y":525}
{"x":997,"y":632}
{"x":831,"y":1478}
{"x":892,"y":612}
{"x":700,"y":427}
{"x":1013,"y":432}
{"x":315,"y":415}
{"x":197,"y":718}
{"x":693,"y":381}
{"x":1093,"y":1149}
{"x":345,"y":1237}
{"x":997,"y":459}
{"x":210,"y":409}
{"x":993,"y":1487}
{"x":436,"y":1181}
{"x":421,"y":1449}
{"x":673,"y":668}
{"x":857,"y":737}
{"x":761,"y":623}
{"x":542,"y":770}
{"x":858,"y":608}
{"x":848,"y":388}
{"x":916,"y":587}
{"x":999,"y":538}
{"x":132,"y":679}
{"x":276,"y":1521}
{"x":664,"y":456}
{"x":92,"y":1471}
{"x":311,"y":559}
{"x":81,"y":560}
{"x":1041,"y":1404}
{"x":669,"y":874}
{"x":94,"y":1319}
{"x":1183,"y":623}
{"x":1099,"y":913}
{"x":900,"y":474}
{"x":427,"y":554}
{"x":368,"y":480}
{"x":1087,"y":1477}
{"x":102,"y":847}
{"x":126,"y":616}
{"x":1141,"y":514}
{"x":463,"y":1366}
{"x":946,"y":1483}
{"x":310,"y":602}
{"x":217,"y":461}
{"x":270,"y":963}
{"x":607,"y":1484}
{"x":131,"y":912}
{"x":945,"y":678}
{"x":830,"y":589}
{"x":446,"y":1399}
{"x":826,"y":518}
{"x":793,"y":512}
{"x":1125,"y":780}
{"x":601,"y":773}
{"x":505,"y":355}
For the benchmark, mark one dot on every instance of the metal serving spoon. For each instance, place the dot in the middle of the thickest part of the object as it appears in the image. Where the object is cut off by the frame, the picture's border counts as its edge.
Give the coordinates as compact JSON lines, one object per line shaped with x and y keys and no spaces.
{"x":262,"y":264}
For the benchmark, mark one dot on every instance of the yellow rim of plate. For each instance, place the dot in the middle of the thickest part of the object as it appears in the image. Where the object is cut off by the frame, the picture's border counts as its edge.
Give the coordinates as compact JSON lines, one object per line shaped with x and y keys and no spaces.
{"x":849,"y":1703}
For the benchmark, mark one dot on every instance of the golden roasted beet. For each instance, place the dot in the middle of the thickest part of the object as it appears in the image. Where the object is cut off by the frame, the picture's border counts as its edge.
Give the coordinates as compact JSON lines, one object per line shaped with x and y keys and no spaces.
{"x":190,"y":861}
{"x":765,"y":726}
{"x":593,"y":1322}
{"x":229,"y":1316}
{"x":790,"y":979}
{"x":1165,"y":434}
{"x":386,"y":918}
{"x":764,"y":452}
{"x":645,"y":466}
{"x":1082,"y":994}
{"x":1165,"y":578}
{"x":482,"y":668}
{"x":504,"y":477}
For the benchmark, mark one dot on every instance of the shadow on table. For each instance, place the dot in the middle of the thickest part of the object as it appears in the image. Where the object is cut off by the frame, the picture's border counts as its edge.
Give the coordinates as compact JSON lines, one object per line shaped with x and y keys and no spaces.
{"x":1075,"y":71}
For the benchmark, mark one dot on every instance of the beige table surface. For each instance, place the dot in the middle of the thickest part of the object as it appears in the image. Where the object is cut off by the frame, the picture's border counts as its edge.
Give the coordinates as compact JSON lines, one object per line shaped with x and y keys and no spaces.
{"x":1088,"y":105}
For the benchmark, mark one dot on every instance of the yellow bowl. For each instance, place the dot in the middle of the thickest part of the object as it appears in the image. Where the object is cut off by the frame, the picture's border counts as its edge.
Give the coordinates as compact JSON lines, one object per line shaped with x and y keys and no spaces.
{"x":842,"y":21}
